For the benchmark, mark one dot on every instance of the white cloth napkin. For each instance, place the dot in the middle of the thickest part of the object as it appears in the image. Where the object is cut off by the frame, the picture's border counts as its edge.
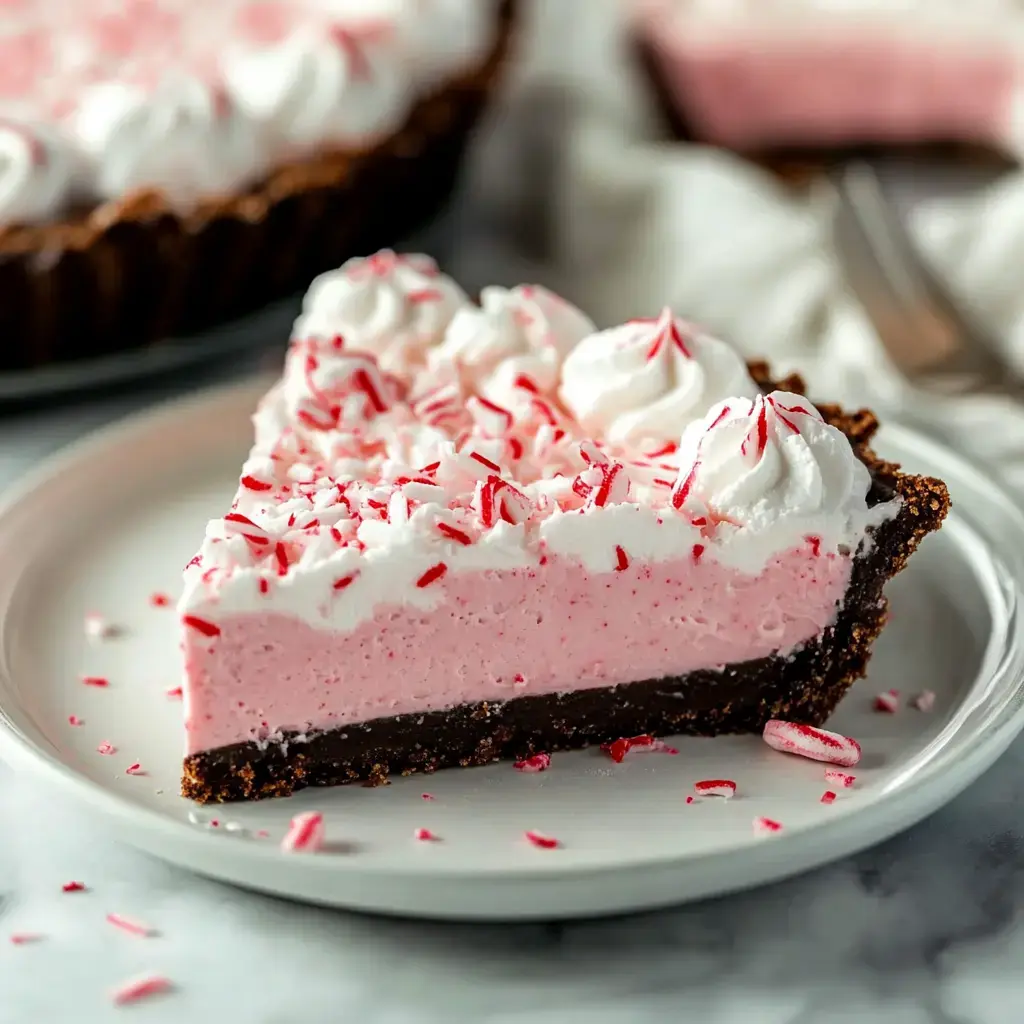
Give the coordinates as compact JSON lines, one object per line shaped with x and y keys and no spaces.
{"x":576,"y":180}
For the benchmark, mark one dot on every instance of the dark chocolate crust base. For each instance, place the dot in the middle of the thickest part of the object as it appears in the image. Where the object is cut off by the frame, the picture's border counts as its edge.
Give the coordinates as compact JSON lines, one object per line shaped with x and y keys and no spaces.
{"x":797,"y":165}
{"x":134,"y":272}
{"x":804,"y":687}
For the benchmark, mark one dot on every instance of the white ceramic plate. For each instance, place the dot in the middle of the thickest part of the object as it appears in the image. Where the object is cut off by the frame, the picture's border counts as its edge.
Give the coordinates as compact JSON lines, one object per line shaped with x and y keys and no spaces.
{"x":115,"y":518}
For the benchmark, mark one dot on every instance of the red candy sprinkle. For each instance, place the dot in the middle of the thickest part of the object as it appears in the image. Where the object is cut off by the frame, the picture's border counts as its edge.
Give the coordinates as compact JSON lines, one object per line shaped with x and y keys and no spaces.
{"x":75,"y":720}
{"x":540,"y":840}
{"x":432,"y":575}
{"x":106,"y":748}
{"x":424,"y":835}
{"x":493,"y":466}
{"x":174,"y":693}
{"x":724,"y":788}
{"x":141,"y":988}
{"x":73,"y":887}
{"x":888,"y":701}
{"x":264,"y":585}
{"x":839,"y":778}
{"x":537,"y":763}
{"x":698,"y":551}
{"x":808,"y":741}
{"x":126,"y":924}
{"x":455,"y":534}
{"x":203,"y":626}
{"x":618,"y":749}
{"x":24,"y":938}
{"x":689,"y":799}
{"x":427,"y":796}
{"x":344,"y":581}
{"x":815,"y":543}
{"x":250,"y":483}
{"x":622,"y":559}
{"x":134,"y":769}
{"x":305,"y":833}
{"x":766,"y":826}
{"x":159,"y":600}
{"x":828,"y":797}
{"x":99,"y":681}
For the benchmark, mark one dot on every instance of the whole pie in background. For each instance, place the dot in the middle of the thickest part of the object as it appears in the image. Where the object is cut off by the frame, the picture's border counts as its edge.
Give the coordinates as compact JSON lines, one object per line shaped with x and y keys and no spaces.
{"x":810,"y":78}
{"x":169,"y":165}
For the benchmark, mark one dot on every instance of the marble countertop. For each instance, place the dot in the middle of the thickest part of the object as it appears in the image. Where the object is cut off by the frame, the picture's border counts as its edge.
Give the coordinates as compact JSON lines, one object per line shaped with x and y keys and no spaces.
{"x":926,"y":929}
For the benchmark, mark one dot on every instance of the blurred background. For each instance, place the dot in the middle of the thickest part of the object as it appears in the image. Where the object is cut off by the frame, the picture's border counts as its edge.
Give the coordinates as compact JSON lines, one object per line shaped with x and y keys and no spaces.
{"x":631,"y":153}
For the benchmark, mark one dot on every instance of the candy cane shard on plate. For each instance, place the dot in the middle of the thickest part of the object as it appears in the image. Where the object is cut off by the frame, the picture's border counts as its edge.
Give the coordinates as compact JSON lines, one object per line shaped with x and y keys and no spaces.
{"x":305,"y":833}
{"x":808,"y":741}
{"x":513,"y":532}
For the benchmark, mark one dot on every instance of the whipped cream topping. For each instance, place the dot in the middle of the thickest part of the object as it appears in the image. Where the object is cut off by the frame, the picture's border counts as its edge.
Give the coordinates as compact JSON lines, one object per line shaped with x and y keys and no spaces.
{"x":369,"y":487}
{"x":771,"y":474}
{"x":394,"y":307}
{"x":513,"y":343}
{"x":646,"y":380}
{"x":36,"y":171}
{"x":348,"y":87}
{"x":183,"y":139}
{"x":196,"y":99}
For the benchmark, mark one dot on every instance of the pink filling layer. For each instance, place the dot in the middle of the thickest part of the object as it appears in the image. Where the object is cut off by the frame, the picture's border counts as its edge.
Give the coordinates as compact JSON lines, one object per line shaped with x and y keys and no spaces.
{"x":832,"y":88}
{"x":499,"y":635}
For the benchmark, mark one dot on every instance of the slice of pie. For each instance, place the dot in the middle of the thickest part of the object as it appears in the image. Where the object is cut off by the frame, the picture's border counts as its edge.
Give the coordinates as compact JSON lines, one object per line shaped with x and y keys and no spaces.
{"x":807,"y":76}
{"x":470,"y":532}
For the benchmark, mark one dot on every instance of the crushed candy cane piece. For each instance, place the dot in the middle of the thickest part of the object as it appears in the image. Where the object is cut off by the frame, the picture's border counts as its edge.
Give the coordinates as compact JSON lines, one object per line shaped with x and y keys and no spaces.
{"x":828,"y":797}
{"x":924,"y":701}
{"x":537,"y":763}
{"x":618,"y":749}
{"x":25,"y":938}
{"x":766,"y":826}
{"x":427,"y":796}
{"x":158,"y":600}
{"x":126,"y":924}
{"x":424,"y":835}
{"x":106,"y":747}
{"x":305,"y":833}
{"x":135,"y":769}
{"x":809,"y":741}
{"x":540,"y":840}
{"x":99,"y":628}
{"x":689,"y":799}
{"x":888,"y":701}
{"x":99,"y":681}
{"x":724,"y":788}
{"x":141,"y":988}
{"x":174,"y":693}
{"x":75,"y":720}
{"x":839,"y":778}
{"x":73,"y":887}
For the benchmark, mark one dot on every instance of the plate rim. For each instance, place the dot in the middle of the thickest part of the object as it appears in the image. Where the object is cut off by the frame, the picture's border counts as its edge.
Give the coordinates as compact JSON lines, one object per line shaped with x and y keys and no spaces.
{"x":19,"y":750}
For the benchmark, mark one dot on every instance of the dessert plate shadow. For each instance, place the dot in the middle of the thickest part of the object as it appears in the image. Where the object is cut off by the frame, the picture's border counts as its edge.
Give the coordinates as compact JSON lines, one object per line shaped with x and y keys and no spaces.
{"x":111,"y":521}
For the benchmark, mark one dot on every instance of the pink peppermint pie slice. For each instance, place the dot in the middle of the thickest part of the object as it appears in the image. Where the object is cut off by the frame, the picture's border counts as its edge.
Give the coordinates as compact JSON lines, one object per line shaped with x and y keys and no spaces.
{"x":467,"y":533}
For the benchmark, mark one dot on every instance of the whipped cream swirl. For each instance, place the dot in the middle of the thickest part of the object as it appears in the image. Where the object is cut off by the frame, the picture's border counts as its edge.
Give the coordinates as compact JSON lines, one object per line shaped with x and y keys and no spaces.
{"x":392,"y":306}
{"x":514,"y":341}
{"x":647,"y":380}
{"x":36,"y":172}
{"x":772,"y":475}
{"x":183,"y":138}
{"x":343,"y":85}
